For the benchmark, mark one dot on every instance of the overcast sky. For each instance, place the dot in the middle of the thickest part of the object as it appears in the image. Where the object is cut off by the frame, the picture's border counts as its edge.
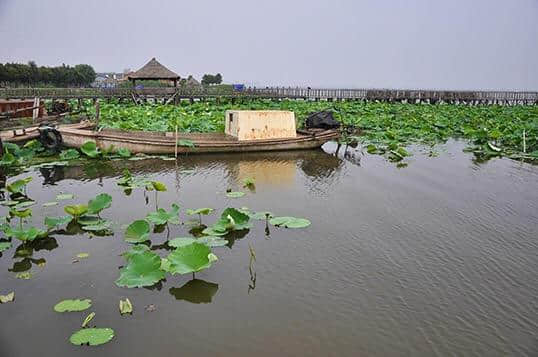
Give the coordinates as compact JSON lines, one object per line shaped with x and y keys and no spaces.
{"x":445,"y":44}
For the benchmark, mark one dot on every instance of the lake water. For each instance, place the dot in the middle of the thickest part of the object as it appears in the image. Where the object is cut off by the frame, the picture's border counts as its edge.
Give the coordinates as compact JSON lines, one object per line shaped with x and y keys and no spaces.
{"x":438,"y":258}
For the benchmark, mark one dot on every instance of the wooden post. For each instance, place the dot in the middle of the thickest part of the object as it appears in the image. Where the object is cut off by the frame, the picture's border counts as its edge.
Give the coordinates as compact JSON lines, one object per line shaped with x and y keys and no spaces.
{"x":176,"y":143}
{"x":97,"y":114}
{"x":35,"y":113}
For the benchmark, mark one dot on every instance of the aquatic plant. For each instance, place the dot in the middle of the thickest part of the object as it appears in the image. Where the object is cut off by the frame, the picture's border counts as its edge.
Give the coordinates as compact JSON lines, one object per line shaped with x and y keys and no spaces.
{"x":76,"y":211}
{"x":189,"y":259}
{"x":73,"y":305}
{"x":89,"y":148}
{"x":88,"y":319}
{"x":137,"y":231}
{"x":99,"y":203}
{"x":161,"y":216}
{"x":200,"y":211}
{"x":143,"y":269}
{"x":92,"y":336}
{"x":126,"y":307}
{"x":236,"y":194}
{"x":289,"y":222}
{"x":230,"y":220}
{"x":7,"y":298}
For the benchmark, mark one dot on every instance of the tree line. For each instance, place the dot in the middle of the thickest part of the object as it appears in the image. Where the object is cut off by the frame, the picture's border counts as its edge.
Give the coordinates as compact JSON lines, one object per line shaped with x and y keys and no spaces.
{"x":15,"y":74}
{"x":208,"y":79}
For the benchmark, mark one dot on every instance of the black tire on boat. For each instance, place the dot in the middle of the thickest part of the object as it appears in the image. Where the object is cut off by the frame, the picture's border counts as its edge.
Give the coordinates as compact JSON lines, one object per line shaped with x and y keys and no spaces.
{"x":50,"y":138}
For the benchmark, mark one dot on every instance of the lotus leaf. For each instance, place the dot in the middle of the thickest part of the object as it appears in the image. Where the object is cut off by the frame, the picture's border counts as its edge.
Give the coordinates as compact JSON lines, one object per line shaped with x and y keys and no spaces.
{"x":24,"y":275}
{"x":48,"y":204}
{"x":69,"y":154}
{"x":123,"y":152}
{"x":18,"y":186}
{"x":190,"y":258}
{"x":89,"y":148}
{"x":7,"y":298}
{"x":25,"y":234}
{"x":181,"y":242}
{"x":82,"y":255}
{"x":99,"y":203}
{"x":263,"y":215}
{"x":237,"y":194}
{"x":163,"y":217}
{"x":21,"y":214}
{"x":249,"y":183}
{"x":65,"y":196}
{"x":72,"y":305}
{"x":137,"y":232}
{"x":126,"y":307}
{"x":211,"y":241}
{"x":92,"y":336}
{"x":53,"y":222}
{"x":158,"y":186}
{"x":88,"y":220}
{"x":204,"y":211}
{"x":76,"y":210}
{"x":289,"y":222}
{"x":4,"y":246}
{"x":143,"y":269}
{"x":24,"y":204}
{"x":99,"y":226}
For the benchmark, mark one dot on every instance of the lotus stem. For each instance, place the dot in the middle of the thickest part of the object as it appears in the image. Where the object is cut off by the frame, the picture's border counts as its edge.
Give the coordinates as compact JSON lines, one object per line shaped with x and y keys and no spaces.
{"x":524,"y":143}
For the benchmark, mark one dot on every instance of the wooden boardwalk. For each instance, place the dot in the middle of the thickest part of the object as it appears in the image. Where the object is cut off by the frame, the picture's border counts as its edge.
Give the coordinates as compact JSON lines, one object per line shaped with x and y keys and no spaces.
{"x":175,"y":95}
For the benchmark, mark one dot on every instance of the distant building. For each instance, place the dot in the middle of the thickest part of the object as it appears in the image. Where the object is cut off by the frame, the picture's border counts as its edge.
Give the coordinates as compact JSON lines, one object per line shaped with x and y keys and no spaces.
{"x":107,"y":80}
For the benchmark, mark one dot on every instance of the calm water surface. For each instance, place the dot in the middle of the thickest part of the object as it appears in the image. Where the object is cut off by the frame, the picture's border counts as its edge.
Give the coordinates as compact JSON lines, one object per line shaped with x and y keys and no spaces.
{"x":435,"y":259}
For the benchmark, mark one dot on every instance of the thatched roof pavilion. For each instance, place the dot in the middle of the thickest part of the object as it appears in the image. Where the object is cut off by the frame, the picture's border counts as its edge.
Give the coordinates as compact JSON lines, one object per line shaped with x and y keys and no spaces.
{"x":153,"y":70}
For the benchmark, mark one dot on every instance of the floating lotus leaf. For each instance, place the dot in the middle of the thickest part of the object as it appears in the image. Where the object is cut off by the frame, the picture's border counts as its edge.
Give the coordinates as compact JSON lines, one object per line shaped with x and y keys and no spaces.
{"x":48,"y":204}
{"x":137,"y":232}
{"x":65,"y":196}
{"x":69,"y":154}
{"x":26,"y":275}
{"x":76,"y":210}
{"x":161,"y":216}
{"x":189,"y":259}
{"x":99,"y":203}
{"x":123,"y":152}
{"x":82,"y":255}
{"x":204,"y":211}
{"x":72,"y":305}
{"x":53,"y":222}
{"x":158,"y":186}
{"x":126,"y":307}
{"x":181,"y":242}
{"x":249,"y":183}
{"x":236,"y":194}
{"x":4,"y":246}
{"x":263,"y":215}
{"x":88,"y":319}
{"x":24,"y":235}
{"x":99,"y":226}
{"x":24,"y":204}
{"x":136,"y":249}
{"x":88,"y":220}
{"x":7,"y":298}
{"x":21,"y":214}
{"x":9,"y":203}
{"x":89,"y":148}
{"x":92,"y":336}
{"x":289,"y":222}
{"x":18,"y":185}
{"x":212,"y":241}
{"x":143,"y":269}
{"x":215,"y":231}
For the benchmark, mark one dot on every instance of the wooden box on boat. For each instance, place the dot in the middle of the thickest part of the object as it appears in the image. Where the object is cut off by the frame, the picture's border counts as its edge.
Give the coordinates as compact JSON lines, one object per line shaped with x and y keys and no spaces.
{"x":260,"y":124}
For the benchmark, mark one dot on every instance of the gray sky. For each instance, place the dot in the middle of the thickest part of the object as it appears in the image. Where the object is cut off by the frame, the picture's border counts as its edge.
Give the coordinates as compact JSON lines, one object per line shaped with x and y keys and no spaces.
{"x":446,"y":44}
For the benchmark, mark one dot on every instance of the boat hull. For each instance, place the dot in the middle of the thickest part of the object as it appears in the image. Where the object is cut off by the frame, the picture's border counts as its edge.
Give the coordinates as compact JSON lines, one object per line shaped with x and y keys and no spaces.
{"x":164,"y":143}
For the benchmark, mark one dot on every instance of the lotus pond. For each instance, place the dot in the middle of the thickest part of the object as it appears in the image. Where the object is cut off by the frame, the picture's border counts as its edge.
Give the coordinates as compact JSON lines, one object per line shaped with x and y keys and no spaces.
{"x":322,"y":252}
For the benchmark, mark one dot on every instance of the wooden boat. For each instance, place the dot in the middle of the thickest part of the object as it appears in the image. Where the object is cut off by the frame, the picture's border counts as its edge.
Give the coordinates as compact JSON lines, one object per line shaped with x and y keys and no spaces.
{"x":22,"y":135}
{"x":165,"y":142}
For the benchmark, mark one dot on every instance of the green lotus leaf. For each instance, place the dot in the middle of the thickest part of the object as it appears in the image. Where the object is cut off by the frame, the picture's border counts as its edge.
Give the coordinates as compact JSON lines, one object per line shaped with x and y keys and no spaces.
{"x":26,"y":275}
{"x":49,"y":204}
{"x":123,"y":152}
{"x":53,"y":222}
{"x":89,"y":148}
{"x":69,"y":154}
{"x":4,"y":246}
{"x":88,"y":319}
{"x":138,"y":231}
{"x":24,"y":235}
{"x":158,"y":186}
{"x":24,"y":204}
{"x":9,"y":203}
{"x":65,"y":196}
{"x":18,"y":185}
{"x":190,"y":258}
{"x":72,"y":305}
{"x":92,"y":336}
{"x":76,"y":210}
{"x":263,"y":215}
{"x":136,"y":249}
{"x":249,"y":183}
{"x":215,"y":231}
{"x":161,"y":216}
{"x":126,"y":307}
{"x":181,"y":242}
{"x":143,"y":269}
{"x":289,"y":222}
{"x":21,"y":214}
{"x":99,"y":226}
{"x":205,"y":211}
{"x":211,"y":241}
{"x":99,"y":203}
{"x":82,"y":255}
{"x":88,"y":220}
{"x":7,"y":298}
{"x":236,"y":194}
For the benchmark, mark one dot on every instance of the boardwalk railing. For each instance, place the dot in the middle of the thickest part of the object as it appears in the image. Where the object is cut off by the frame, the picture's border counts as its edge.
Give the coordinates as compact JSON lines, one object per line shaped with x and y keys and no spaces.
{"x":389,"y":95}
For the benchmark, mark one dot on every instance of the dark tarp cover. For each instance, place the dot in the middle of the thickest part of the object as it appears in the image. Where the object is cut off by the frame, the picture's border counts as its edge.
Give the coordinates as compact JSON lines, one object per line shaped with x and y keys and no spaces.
{"x":321,"y":120}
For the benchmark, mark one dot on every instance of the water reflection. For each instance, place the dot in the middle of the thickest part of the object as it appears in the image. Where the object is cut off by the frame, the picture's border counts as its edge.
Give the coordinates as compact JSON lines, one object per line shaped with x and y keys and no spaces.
{"x":279,"y":168}
{"x":196,"y":291}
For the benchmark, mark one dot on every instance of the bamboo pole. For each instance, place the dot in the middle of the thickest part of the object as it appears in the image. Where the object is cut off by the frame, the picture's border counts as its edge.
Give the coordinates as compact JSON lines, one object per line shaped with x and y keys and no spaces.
{"x":524,"y":143}
{"x":176,"y":144}
{"x":97,"y":114}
